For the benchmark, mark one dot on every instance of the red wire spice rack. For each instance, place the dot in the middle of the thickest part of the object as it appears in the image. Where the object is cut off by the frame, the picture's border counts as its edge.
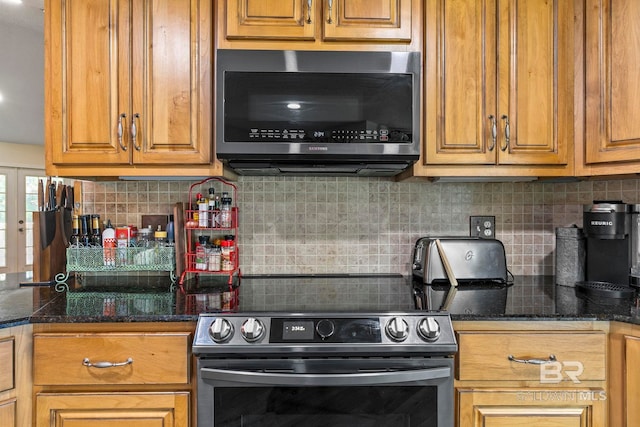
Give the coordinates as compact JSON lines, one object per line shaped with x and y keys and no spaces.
{"x":211,"y":247}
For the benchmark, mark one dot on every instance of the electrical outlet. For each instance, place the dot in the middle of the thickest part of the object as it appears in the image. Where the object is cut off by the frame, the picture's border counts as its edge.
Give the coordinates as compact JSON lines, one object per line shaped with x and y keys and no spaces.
{"x":482,"y":226}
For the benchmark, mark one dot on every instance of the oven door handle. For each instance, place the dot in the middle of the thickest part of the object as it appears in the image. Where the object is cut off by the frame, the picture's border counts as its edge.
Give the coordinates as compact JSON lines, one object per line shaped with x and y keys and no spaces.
{"x":322,"y":380}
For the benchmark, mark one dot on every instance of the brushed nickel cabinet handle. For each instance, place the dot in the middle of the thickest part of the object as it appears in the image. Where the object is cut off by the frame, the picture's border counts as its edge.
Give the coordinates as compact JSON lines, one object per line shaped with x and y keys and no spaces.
{"x":309,"y":4}
{"x":122,"y":117}
{"x":329,"y":20}
{"x":551,"y":359}
{"x":507,"y":133}
{"x":86,"y":362}
{"x":134,"y":131}
{"x":494,"y":132}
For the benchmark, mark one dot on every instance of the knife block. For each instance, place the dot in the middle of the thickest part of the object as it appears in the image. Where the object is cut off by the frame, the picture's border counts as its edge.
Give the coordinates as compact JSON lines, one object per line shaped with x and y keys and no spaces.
{"x":52,"y":259}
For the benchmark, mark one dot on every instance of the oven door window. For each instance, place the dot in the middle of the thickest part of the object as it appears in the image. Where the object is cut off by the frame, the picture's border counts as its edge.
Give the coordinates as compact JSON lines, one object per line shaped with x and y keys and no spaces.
{"x":307,"y":393}
{"x":372,"y":406}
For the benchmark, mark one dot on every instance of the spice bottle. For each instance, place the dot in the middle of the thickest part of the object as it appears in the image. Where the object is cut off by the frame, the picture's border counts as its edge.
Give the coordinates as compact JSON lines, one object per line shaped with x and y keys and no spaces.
{"x":160,"y":237}
{"x":215,"y":258}
{"x":201,"y":253}
{"x":144,"y":237}
{"x":96,"y":235}
{"x":109,"y":245}
{"x":84,"y":230}
{"x":203,"y":211}
{"x":75,"y":234}
{"x":225,"y":210}
{"x":228,"y":255}
{"x":214,"y":202}
{"x":170,"y":231}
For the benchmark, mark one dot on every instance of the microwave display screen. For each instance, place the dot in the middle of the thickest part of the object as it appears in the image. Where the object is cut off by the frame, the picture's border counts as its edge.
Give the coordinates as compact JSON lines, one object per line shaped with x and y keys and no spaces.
{"x":267,"y":107}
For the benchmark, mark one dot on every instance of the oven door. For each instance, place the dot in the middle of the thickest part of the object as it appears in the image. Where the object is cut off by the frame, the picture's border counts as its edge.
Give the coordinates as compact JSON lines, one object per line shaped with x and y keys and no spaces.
{"x":362,"y":392}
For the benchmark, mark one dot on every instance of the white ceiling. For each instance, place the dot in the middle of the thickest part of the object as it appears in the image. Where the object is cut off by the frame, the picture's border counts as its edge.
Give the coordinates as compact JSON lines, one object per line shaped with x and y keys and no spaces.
{"x":22,"y":72}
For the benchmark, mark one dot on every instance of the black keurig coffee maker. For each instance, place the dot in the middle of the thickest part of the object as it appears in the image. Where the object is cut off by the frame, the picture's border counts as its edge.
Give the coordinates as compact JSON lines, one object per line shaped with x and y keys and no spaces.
{"x":607,"y":227}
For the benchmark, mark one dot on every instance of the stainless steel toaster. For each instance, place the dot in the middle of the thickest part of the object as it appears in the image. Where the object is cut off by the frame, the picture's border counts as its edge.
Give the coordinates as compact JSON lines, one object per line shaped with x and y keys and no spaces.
{"x":480,"y":270}
{"x":471,"y":259}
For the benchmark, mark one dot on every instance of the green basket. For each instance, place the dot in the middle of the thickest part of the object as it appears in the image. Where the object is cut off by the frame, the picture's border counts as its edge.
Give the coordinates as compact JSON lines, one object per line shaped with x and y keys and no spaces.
{"x":126,"y":259}
{"x":89,"y":303}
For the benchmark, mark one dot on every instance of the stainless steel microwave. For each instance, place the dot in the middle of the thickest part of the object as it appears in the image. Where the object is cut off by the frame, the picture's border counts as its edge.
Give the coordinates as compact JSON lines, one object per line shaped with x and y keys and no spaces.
{"x":317,"y":112}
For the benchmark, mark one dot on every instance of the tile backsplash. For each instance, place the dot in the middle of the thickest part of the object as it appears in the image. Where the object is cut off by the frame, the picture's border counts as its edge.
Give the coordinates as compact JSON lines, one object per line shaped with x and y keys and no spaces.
{"x":369,"y":225}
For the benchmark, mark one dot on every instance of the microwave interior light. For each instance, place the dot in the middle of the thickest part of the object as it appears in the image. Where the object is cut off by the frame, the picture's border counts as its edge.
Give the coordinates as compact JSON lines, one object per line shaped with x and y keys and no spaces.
{"x":293,"y":106}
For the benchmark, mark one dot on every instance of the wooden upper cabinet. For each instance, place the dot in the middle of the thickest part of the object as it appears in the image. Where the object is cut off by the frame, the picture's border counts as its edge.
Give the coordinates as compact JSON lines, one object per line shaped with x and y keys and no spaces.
{"x":367,"y":20}
{"x":612,"y":61}
{"x":128,"y":82}
{"x":292,"y":19}
{"x":318,"y":20}
{"x":498,"y":82}
{"x":86,"y":80}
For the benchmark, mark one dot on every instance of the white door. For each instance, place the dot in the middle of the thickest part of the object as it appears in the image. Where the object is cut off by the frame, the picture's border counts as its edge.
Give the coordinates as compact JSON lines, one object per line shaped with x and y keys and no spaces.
{"x":18,"y":198}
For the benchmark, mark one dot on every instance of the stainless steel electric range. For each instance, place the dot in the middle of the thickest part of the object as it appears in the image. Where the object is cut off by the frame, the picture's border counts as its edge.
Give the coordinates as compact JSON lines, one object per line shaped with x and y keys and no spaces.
{"x":315,"y":369}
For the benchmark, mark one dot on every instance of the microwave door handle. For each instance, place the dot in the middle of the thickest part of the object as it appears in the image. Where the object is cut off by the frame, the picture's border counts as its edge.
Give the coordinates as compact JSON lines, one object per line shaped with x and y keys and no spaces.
{"x":324,"y":380}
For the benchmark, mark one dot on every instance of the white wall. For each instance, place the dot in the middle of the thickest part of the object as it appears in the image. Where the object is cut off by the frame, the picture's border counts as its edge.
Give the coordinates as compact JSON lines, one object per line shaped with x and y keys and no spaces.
{"x":21,"y":155}
{"x":21,"y":85}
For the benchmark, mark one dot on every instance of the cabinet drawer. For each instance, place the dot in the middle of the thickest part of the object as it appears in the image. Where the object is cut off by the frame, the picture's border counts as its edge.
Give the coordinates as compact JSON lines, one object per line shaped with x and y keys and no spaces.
{"x":485,"y":356}
{"x":7,"y":361}
{"x":141,"y":358}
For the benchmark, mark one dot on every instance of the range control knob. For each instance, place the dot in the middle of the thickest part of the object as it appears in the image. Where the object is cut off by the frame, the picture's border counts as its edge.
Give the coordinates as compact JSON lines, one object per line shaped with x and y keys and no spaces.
{"x":252,"y":329}
{"x":221,"y":330}
{"x":397,"y":329}
{"x":429,"y":329}
{"x":325,"y":328}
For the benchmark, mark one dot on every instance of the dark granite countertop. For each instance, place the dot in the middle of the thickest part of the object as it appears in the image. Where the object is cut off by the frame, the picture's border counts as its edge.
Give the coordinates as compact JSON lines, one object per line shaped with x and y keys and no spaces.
{"x":155,"y":300}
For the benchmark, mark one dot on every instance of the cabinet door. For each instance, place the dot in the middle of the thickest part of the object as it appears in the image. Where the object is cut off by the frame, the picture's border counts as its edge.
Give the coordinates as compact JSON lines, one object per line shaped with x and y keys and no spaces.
{"x":87,"y":80}
{"x":271,"y":19}
{"x":460,"y":81}
{"x":632,"y":380}
{"x":171,"y":57}
{"x":367,"y":20}
{"x":612,"y":61}
{"x":112,"y":409}
{"x":498,"y":82}
{"x":535,"y":71}
{"x":8,"y":413}
{"x":531,"y":407}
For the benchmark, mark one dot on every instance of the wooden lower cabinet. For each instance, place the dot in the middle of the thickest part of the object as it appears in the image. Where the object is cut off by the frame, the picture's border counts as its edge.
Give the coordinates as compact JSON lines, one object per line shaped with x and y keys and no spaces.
{"x":114,"y":375}
{"x":8,"y":413}
{"x":624,"y":374}
{"x":533,"y":373}
{"x":632,"y":379}
{"x":113,"y":409}
{"x":531,"y":407}
{"x":15,"y":376}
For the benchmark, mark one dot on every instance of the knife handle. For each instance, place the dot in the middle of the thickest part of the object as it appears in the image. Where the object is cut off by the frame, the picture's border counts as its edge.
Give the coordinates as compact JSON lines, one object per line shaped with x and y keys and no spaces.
{"x":40,"y":195}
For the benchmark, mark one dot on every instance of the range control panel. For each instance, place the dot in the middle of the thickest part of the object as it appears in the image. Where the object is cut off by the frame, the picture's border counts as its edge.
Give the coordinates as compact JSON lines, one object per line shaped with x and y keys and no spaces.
{"x":422,"y":332}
